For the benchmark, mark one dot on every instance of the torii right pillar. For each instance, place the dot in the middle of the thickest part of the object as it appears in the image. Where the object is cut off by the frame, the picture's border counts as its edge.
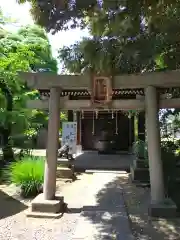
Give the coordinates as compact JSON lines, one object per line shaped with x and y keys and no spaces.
{"x":154,"y":145}
{"x":158,"y":207}
{"x":154,"y":148}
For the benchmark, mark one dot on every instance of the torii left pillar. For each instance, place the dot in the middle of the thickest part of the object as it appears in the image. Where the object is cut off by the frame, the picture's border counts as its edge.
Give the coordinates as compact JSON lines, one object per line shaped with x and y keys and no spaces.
{"x":49,"y":188}
{"x":48,"y":204}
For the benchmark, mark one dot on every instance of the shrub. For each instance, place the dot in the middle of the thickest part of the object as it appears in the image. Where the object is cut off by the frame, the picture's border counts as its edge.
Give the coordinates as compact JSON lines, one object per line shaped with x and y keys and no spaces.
{"x":171,"y":171}
{"x":28,"y":174}
{"x":140,"y":149}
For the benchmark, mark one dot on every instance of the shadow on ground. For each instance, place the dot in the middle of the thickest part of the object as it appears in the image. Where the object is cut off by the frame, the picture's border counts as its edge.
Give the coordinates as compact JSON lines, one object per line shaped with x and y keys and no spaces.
{"x":109,"y":214}
{"x":110,"y":219}
{"x":137,"y":201}
{"x":9,"y":205}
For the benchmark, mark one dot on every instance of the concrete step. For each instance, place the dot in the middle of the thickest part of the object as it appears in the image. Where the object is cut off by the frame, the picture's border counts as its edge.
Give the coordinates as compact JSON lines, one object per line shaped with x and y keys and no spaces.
{"x":65,"y":172}
{"x":139,"y":174}
{"x":64,"y":162}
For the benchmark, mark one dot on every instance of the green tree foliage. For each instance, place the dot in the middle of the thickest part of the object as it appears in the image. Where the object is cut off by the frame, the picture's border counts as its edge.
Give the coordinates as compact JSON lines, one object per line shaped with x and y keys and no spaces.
{"x":37,"y":41}
{"x":127,"y":40}
{"x":28,"y":50}
{"x":55,"y":14}
{"x":144,"y":35}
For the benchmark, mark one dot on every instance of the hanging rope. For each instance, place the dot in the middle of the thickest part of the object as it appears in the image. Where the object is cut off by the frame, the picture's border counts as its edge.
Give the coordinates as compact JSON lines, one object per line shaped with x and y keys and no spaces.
{"x":74,"y":116}
{"x":82,"y":114}
{"x":130,"y":131}
{"x":96,"y":114}
{"x":116,"y":122}
{"x":93,"y":125}
{"x":112,"y":114}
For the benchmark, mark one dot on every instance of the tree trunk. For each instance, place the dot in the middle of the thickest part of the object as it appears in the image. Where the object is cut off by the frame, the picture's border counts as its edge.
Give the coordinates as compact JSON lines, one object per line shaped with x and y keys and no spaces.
{"x":8,"y":154}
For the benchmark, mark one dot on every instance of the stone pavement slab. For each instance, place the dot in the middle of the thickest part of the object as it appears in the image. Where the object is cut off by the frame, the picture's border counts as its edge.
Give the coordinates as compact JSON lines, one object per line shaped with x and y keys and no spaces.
{"x":103,"y":213}
{"x":103,"y":225}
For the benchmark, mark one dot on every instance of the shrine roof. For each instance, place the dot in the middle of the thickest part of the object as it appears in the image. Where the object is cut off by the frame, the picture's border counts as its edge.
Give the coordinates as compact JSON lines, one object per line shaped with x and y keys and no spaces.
{"x":116,"y":92}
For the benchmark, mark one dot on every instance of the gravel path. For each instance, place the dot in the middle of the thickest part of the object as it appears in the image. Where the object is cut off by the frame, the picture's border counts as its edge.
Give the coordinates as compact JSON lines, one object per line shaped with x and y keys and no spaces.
{"x":96,"y":212}
{"x":137,"y":201}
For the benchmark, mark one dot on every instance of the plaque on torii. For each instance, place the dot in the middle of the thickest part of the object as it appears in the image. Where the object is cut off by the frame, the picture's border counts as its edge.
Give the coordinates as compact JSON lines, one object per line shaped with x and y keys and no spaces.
{"x":101,"y":94}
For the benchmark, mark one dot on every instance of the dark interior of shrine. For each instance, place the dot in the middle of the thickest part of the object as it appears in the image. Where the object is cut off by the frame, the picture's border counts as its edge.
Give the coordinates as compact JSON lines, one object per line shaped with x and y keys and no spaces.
{"x":110,"y":126}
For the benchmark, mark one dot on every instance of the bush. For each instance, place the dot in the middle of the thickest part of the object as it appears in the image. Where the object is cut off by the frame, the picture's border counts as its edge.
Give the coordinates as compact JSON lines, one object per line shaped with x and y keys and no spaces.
{"x":170,"y":169}
{"x":140,"y":149}
{"x":28,"y":174}
{"x":23,"y":141}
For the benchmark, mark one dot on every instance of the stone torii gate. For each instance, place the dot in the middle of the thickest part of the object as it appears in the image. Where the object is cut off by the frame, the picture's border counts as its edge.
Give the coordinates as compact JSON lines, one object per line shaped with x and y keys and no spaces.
{"x":150,"y":102}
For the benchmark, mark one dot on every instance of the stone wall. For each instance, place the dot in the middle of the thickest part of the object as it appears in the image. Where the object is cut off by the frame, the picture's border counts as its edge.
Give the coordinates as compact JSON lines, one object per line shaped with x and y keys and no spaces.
{"x":42,"y":139}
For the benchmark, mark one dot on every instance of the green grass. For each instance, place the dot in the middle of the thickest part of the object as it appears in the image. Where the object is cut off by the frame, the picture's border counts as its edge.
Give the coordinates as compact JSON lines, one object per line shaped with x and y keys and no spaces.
{"x":27,"y":173}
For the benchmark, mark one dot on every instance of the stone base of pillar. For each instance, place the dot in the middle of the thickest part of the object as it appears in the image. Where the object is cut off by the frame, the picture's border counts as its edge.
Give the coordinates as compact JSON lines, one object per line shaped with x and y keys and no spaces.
{"x":41,"y":208}
{"x":166,"y":209}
